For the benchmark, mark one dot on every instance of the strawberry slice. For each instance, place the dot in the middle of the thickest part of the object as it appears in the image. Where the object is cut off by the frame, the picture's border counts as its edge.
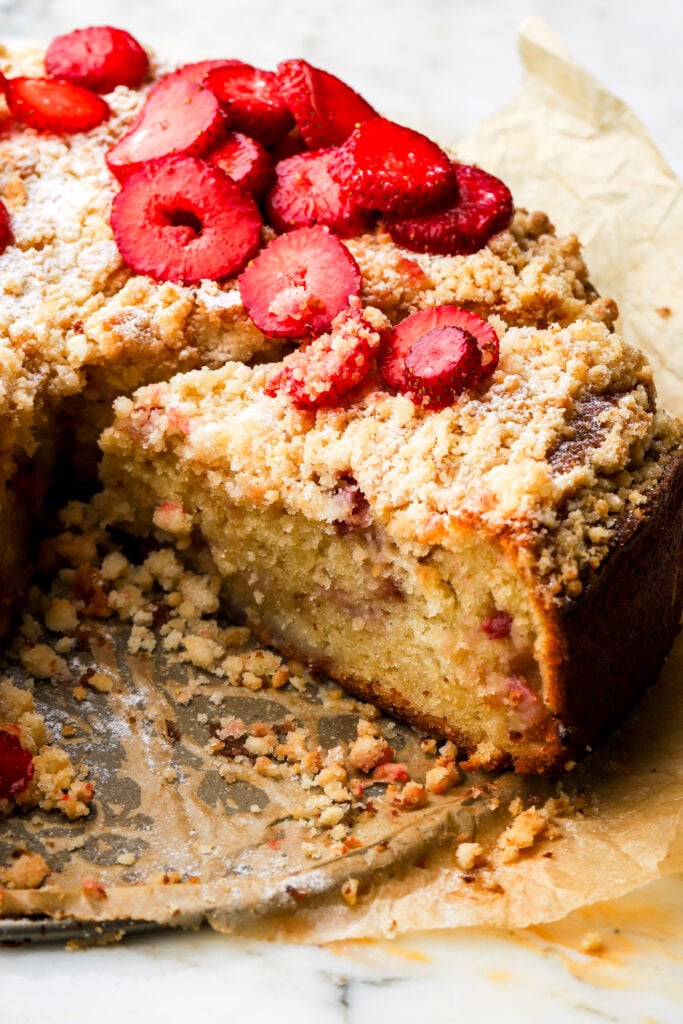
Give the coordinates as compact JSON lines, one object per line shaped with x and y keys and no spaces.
{"x":179,"y":118}
{"x":396,"y":347}
{"x":54,"y":106}
{"x":98,"y":58}
{"x":441,"y":365}
{"x":195,"y":73}
{"x":298,"y":284}
{"x":305,"y":194}
{"x":16,"y":766}
{"x":5,"y":228}
{"x":246,"y":162}
{"x":394,"y":169}
{"x":251,"y":100}
{"x":483,"y":207}
{"x":318,"y":374}
{"x":325,"y":109}
{"x":290,"y":144}
{"x":181,"y":219}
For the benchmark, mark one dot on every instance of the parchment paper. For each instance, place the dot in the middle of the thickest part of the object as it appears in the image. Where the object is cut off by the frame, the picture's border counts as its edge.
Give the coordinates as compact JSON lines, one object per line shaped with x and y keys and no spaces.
{"x":567,"y":146}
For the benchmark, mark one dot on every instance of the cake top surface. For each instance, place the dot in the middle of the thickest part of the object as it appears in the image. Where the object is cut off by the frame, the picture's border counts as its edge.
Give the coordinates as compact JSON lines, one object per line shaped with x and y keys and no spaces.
{"x":560,"y":444}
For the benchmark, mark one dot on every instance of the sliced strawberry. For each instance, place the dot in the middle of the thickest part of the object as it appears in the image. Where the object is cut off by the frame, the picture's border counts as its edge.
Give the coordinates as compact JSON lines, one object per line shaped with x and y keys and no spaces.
{"x":98,"y":58}
{"x":441,"y":365}
{"x":306,"y":194}
{"x":55,"y":106}
{"x":318,"y":374}
{"x":325,"y":109}
{"x":246,"y":162}
{"x":394,"y":169}
{"x":290,"y":144}
{"x":391,"y":362}
{"x":16,"y":765}
{"x":5,"y":228}
{"x":179,"y":118}
{"x":195,"y":73}
{"x":181,"y":219}
{"x":251,"y":100}
{"x":483,"y":207}
{"x":298,"y":284}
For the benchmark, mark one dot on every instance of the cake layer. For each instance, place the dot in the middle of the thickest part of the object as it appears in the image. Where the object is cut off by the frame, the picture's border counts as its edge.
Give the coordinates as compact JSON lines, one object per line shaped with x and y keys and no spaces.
{"x":451,"y":566}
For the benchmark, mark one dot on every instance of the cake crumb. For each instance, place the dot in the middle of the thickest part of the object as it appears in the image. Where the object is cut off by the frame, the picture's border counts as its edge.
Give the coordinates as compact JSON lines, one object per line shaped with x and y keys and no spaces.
{"x":349,"y":891}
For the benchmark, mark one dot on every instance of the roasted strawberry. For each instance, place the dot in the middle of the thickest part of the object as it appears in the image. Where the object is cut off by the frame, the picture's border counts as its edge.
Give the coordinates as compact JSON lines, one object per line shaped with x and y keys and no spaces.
{"x":394,"y":169}
{"x":306,"y":194}
{"x":245,"y":161}
{"x":178,"y":119}
{"x":326,"y":110}
{"x":319,"y":373}
{"x":98,"y":58}
{"x":397,"y":346}
{"x":298,"y":284}
{"x":441,"y":365}
{"x":5,"y":228}
{"x":483,"y":207}
{"x":51,"y":105}
{"x":182,"y":219}
{"x":251,"y":100}
{"x":16,"y":765}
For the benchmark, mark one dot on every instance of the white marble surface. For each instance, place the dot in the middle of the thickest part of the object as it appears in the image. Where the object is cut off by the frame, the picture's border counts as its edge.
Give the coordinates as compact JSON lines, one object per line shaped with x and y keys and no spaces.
{"x":439,"y":65}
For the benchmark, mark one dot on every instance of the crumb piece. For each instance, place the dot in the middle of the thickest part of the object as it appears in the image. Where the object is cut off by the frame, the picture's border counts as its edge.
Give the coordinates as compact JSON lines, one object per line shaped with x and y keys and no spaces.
{"x":100,"y":682}
{"x":170,"y":774}
{"x":68,"y":731}
{"x":28,"y":871}
{"x":93,"y":890}
{"x":79,"y":693}
{"x":441,"y":778}
{"x":331,"y":816}
{"x":468,"y":855}
{"x":171,"y":518}
{"x":60,"y":616}
{"x":42,"y":662}
{"x":592,"y":943}
{"x":522,"y":833}
{"x":126,"y":859}
{"x":368,"y":751}
{"x":349,"y":891}
{"x":412,"y":795}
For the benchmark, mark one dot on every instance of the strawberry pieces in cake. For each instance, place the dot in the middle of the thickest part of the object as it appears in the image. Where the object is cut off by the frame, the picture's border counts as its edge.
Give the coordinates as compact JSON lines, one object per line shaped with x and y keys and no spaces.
{"x":298,"y":284}
{"x":321,"y":372}
{"x":424,"y":359}
{"x":98,"y":58}
{"x":245,"y":161}
{"x":179,"y":118}
{"x":305,"y":193}
{"x":5,"y":228}
{"x":51,"y":105}
{"x":483,"y":207}
{"x":394,"y":169}
{"x":326,"y":110}
{"x":182,"y":219}
{"x":251,"y":100}
{"x":16,"y":765}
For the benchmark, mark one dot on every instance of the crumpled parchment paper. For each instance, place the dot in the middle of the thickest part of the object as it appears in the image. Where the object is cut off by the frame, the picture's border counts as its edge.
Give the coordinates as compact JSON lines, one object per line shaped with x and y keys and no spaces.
{"x":565,"y":145}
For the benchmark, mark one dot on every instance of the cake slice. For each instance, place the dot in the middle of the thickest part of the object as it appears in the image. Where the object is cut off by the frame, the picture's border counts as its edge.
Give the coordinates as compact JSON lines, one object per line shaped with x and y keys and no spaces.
{"x":504,"y":571}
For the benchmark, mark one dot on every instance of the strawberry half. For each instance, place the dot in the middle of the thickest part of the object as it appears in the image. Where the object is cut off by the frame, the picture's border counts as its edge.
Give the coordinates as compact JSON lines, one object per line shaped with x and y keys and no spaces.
{"x":246,"y":162}
{"x":16,"y":766}
{"x":98,"y":58}
{"x":397,"y":346}
{"x":483,"y":207}
{"x":298,"y":284}
{"x":54,"y":106}
{"x":5,"y":228}
{"x":326,"y":110}
{"x":441,"y":365}
{"x":251,"y":100}
{"x":318,"y":374}
{"x":181,"y":219}
{"x":306,"y":194}
{"x":179,"y":118}
{"x":394,"y":169}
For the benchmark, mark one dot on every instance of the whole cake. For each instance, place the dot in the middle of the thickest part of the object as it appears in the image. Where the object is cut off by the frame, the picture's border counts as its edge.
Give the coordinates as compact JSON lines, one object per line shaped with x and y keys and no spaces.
{"x":453,"y":492}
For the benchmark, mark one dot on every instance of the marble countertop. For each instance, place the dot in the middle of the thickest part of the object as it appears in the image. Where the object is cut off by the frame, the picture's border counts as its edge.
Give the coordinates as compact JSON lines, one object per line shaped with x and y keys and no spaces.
{"x":440,"y":66}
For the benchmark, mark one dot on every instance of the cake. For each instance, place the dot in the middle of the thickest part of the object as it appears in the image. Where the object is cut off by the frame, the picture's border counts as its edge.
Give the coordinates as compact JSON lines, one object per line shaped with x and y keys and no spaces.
{"x":390,"y":406}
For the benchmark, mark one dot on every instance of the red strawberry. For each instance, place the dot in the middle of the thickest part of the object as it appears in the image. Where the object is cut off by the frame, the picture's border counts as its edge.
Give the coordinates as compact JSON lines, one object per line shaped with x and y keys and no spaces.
{"x":321,"y":372}
{"x":298,"y":284}
{"x":251,"y":100}
{"x":54,"y":106}
{"x":290,"y":144}
{"x":179,"y":118}
{"x":441,"y":365}
{"x":325,"y":109}
{"x":483,"y":207}
{"x":391,"y":362}
{"x":180,"y":219}
{"x":195,"y":73}
{"x":246,"y":162}
{"x":394,"y":169}
{"x":98,"y":58}
{"x":5,"y":228}
{"x":305,"y":194}
{"x":16,"y":765}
